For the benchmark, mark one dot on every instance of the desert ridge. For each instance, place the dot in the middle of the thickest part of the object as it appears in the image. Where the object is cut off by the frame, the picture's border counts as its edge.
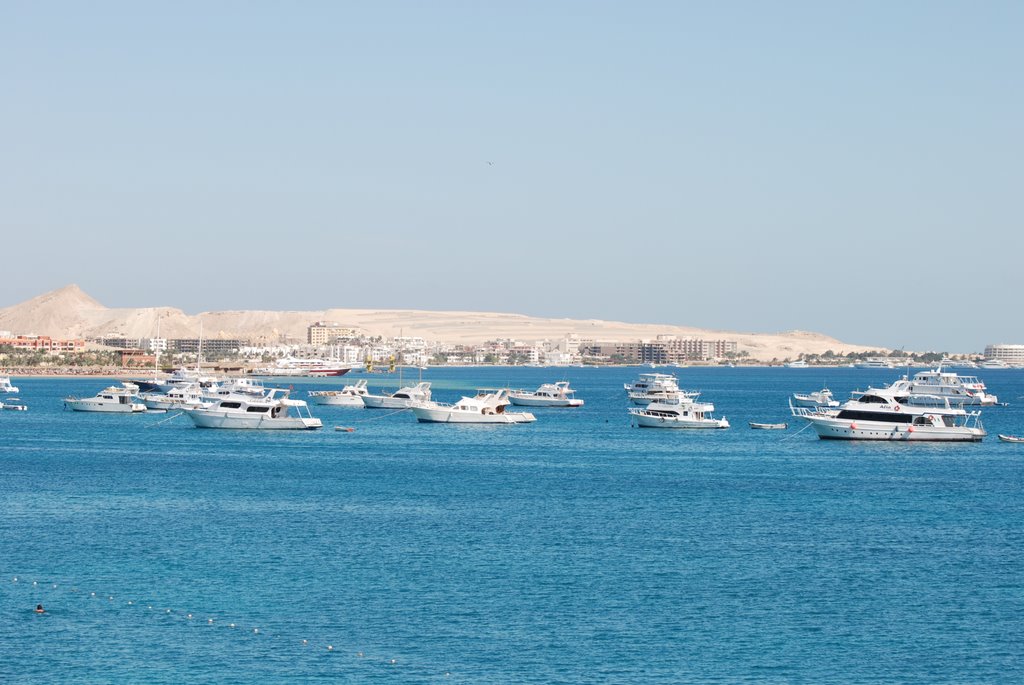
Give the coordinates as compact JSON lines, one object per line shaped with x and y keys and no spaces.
{"x":70,"y":312}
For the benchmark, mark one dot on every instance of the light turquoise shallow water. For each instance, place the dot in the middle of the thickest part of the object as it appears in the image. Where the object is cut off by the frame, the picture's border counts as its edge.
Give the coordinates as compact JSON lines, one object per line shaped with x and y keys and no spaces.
{"x":573,"y":550}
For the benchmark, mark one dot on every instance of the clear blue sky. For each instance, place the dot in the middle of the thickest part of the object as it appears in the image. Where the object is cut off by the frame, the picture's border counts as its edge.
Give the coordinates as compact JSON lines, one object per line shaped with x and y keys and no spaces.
{"x":850,"y":168}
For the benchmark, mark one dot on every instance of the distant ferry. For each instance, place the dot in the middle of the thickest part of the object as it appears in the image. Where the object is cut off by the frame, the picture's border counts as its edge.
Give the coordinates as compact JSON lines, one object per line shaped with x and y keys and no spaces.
{"x":875,"y":363}
{"x":799,"y":364}
{"x":316,"y":368}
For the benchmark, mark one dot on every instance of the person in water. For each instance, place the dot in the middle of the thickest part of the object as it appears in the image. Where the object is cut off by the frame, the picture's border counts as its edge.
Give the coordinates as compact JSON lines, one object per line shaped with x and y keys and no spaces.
{"x":39,"y":609}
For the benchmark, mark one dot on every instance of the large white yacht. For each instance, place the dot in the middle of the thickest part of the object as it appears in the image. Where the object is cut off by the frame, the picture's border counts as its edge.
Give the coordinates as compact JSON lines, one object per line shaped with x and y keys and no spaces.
{"x":485,"y":407}
{"x":176,"y":398}
{"x":112,"y":400}
{"x":274,"y":411}
{"x":798,"y":364}
{"x":548,"y":395}
{"x":178,"y":378}
{"x":316,"y":368}
{"x":876,"y":417}
{"x":232,"y":387}
{"x":993,"y":364}
{"x":5,"y":385}
{"x":819,"y":398}
{"x":933,"y":388}
{"x":401,"y":399}
{"x":652,"y":387}
{"x":678,"y":411}
{"x":349,"y":396}
{"x":875,"y":363}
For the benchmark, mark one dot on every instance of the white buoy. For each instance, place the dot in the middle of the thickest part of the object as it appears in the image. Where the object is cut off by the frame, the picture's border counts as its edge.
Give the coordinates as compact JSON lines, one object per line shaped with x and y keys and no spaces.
{"x":15,"y":579}
{"x":255,"y":630}
{"x":35,"y":583}
{"x":359,"y":653}
{"x":392,"y":661}
{"x":190,"y":616}
{"x":305,"y":642}
{"x":231,"y":625}
{"x":168,"y":611}
{"x":55,"y":586}
{"x":209,"y":620}
{"x":330,"y":648}
{"x":92,"y":594}
{"x":131,"y":602}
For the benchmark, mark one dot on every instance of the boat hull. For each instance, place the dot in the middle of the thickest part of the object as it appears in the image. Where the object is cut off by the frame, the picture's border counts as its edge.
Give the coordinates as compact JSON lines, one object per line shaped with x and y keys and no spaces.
{"x":213,"y":418}
{"x":87,"y":405}
{"x":643,"y":421}
{"x":525,"y":401}
{"x":378,"y":402}
{"x":829,"y":428}
{"x":338,"y":400}
{"x":446,"y":415}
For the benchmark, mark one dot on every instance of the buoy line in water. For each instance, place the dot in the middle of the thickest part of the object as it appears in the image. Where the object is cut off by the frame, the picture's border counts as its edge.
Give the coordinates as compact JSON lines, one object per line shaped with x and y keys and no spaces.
{"x":53,"y":596}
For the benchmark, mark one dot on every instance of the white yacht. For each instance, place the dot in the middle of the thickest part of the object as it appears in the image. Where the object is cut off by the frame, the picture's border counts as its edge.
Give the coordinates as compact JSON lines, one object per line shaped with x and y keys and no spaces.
{"x":798,"y":364}
{"x":349,"y":396}
{"x":401,"y":399}
{"x":933,"y":388}
{"x":176,"y":379}
{"x":820,"y":398}
{"x":13,"y":404}
{"x":548,"y":395}
{"x":486,"y":407}
{"x":651,"y":387}
{"x":316,"y":368}
{"x":274,"y":411}
{"x":875,"y":417}
{"x":112,"y":400}
{"x":176,"y":398}
{"x":231,"y":387}
{"x":993,"y":364}
{"x":679,"y":411}
{"x":6,"y":387}
{"x":875,"y":363}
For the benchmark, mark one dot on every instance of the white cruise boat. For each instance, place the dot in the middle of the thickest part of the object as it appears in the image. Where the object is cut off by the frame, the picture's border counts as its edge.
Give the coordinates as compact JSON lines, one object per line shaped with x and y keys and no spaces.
{"x":6,"y":387}
{"x":993,"y":364}
{"x":799,"y":364}
{"x":875,"y":363}
{"x":651,"y":387}
{"x":349,"y":396}
{"x":679,"y":411}
{"x":232,"y":387}
{"x":112,"y":400}
{"x":176,"y":398}
{"x":274,"y":411}
{"x":874,"y":417}
{"x":178,"y":378}
{"x":315,"y":368}
{"x":820,"y":398}
{"x":548,"y":395}
{"x":403,"y":398}
{"x":486,"y":407}
{"x":933,"y":388}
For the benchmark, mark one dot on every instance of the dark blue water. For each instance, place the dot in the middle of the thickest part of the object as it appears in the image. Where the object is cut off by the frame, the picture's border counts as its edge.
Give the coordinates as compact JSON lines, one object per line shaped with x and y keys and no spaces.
{"x":573,"y":550}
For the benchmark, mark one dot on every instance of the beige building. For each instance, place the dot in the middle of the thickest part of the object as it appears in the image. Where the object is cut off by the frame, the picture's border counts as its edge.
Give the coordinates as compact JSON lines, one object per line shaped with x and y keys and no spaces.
{"x":326,"y":332}
{"x":1011,"y":354}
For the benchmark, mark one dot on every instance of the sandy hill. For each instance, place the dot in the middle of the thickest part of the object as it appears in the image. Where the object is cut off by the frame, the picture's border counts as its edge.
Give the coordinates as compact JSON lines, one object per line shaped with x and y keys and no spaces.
{"x":69,"y":312}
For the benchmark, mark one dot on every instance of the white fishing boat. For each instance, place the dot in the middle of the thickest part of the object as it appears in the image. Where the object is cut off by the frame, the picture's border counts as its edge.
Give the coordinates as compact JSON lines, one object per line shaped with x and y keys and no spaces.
{"x":403,"y":398}
{"x":485,"y":407}
{"x":652,"y":387}
{"x":175,"y":398}
{"x":274,"y":411}
{"x":877,"y":417}
{"x":820,"y":398}
{"x":678,"y":411}
{"x":1010,"y":438}
{"x":349,"y":396}
{"x":933,"y":388}
{"x":112,"y":400}
{"x":13,"y":404}
{"x":769,"y":426}
{"x":6,"y":387}
{"x":548,"y":395}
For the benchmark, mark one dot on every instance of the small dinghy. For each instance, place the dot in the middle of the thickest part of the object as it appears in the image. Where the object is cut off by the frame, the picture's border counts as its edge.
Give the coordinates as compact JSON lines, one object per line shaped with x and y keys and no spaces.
{"x":1011,"y":438}
{"x":769,"y":426}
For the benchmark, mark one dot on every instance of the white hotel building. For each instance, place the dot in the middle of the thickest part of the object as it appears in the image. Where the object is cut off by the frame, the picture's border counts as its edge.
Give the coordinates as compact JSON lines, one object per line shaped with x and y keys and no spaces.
{"x":1011,"y":354}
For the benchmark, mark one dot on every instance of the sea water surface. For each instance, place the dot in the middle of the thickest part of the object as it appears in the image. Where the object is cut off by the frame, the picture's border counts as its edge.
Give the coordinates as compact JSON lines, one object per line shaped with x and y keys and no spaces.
{"x":574,"y":550}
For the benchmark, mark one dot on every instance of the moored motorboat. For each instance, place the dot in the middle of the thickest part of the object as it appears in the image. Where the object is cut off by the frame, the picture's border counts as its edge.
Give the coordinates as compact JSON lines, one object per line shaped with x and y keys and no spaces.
{"x":13,"y":404}
{"x":112,"y":400}
{"x":6,"y":387}
{"x":878,"y":417}
{"x":769,"y":426}
{"x":175,"y":398}
{"x":678,"y":411}
{"x":1011,"y":438}
{"x":933,"y":388}
{"x":547,"y":395}
{"x":485,"y":407}
{"x":403,"y":398}
{"x":653,"y":387}
{"x":819,"y":398}
{"x":274,"y":411}
{"x":349,"y":396}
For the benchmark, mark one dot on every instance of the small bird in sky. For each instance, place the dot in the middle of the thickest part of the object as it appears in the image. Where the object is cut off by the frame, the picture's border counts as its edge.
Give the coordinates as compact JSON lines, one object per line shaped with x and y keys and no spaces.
{"x":490,"y":163}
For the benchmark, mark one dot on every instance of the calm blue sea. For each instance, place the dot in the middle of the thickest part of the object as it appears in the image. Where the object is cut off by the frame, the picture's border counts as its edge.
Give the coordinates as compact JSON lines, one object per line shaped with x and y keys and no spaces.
{"x":573,"y":550}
